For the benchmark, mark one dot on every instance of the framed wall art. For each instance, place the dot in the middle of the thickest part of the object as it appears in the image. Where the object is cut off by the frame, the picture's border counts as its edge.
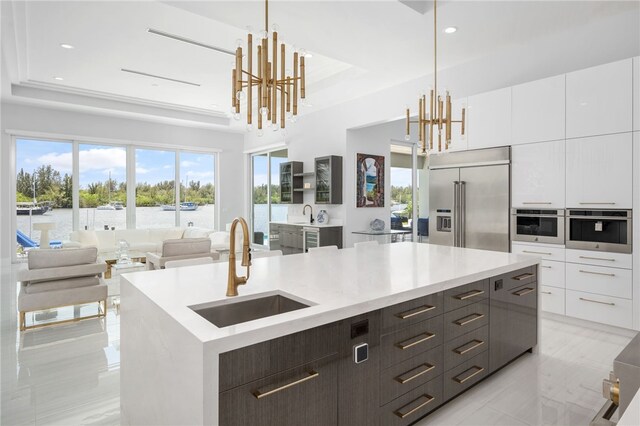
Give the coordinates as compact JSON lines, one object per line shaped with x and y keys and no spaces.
{"x":370,"y":180}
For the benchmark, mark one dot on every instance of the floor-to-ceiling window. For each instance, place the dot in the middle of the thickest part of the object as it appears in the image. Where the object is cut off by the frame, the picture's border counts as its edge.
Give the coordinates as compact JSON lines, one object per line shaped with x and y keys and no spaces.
{"x":102,"y":186}
{"x":197,"y":190}
{"x":44,"y":191}
{"x":266,"y":205}
{"x":155,"y":188}
{"x":401,"y":171}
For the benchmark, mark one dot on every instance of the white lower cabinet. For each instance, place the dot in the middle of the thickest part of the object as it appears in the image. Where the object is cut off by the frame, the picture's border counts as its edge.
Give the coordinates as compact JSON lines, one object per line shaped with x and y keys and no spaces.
{"x":545,"y":251}
{"x":613,"y":260}
{"x":552,"y":299}
{"x":598,"y":308}
{"x":552,"y":273}
{"x":599,"y":280}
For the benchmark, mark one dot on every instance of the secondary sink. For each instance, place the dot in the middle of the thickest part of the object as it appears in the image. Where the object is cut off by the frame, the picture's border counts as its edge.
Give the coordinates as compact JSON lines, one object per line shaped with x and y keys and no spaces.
{"x":248,"y":310}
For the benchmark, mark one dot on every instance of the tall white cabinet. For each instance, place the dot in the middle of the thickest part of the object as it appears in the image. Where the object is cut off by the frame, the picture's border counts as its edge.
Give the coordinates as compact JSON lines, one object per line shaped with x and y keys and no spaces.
{"x":538,"y":111}
{"x":490,"y":119}
{"x":538,"y":175}
{"x":599,"y":100}
{"x":600,"y":172}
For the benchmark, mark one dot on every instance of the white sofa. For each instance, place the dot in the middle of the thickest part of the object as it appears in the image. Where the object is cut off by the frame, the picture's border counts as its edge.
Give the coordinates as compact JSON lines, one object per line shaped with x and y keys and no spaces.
{"x":146,"y":240}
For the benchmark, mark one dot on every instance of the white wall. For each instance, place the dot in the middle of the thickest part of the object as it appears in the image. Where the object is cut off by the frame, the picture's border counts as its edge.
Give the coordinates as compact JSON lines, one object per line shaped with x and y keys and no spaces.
{"x":229,"y":184}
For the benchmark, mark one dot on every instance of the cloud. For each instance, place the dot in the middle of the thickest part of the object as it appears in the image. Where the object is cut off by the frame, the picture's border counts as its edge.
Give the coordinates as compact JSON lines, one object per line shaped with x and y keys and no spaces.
{"x":103,"y":159}
{"x":61,"y":162}
{"x":142,"y":170}
{"x":187,"y":163}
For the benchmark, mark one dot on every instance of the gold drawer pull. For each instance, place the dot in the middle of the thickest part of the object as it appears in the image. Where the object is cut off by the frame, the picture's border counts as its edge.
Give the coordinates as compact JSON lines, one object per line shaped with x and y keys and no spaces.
{"x":475,"y":373}
{"x":476,"y":344}
{"x":545,"y":292}
{"x":596,"y":273}
{"x":404,"y":345}
{"x":597,"y":258}
{"x":413,"y":312}
{"x":469,"y":295}
{"x":402,"y":381}
{"x":597,"y":301}
{"x":311,"y":375}
{"x":537,"y":252}
{"x":402,"y":415}
{"x":523,"y":276}
{"x":465,"y":321}
{"x":524,"y":291}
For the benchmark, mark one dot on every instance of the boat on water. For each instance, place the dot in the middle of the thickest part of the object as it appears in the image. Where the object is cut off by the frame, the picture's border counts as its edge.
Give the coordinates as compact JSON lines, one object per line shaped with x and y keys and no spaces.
{"x":106,"y":207}
{"x":186,"y":206}
{"x":118,"y":205}
{"x":31,"y":208}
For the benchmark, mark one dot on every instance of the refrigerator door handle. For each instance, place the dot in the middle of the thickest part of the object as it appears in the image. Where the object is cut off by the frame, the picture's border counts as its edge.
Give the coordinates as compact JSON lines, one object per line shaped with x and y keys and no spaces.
{"x":463,"y":213}
{"x":456,"y":213}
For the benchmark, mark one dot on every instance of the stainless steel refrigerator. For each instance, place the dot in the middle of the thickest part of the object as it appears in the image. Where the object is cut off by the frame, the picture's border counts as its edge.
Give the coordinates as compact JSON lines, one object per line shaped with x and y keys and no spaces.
{"x":469,"y":199}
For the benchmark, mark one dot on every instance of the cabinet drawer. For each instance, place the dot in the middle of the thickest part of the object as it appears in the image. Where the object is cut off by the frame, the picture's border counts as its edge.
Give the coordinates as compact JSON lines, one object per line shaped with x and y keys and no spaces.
{"x":596,"y":279}
{"x":604,"y":309}
{"x":466,"y":319}
{"x":254,"y":362}
{"x":552,"y":299}
{"x":613,"y":260}
{"x":465,"y":347}
{"x":465,"y":375}
{"x":302,"y":395}
{"x":465,"y":295}
{"x":411,"y":312}
{"x":413,"y":405}
{"x":401,"y":378}
{"x":514,"y":279}
{"x":409,"y":342}
{"x":552,"y":274}
{"x":547,"y":253}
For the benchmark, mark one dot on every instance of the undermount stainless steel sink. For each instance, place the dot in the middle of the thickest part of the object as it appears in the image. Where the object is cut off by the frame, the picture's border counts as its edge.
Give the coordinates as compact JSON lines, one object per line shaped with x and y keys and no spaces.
{"x":248,"y":310}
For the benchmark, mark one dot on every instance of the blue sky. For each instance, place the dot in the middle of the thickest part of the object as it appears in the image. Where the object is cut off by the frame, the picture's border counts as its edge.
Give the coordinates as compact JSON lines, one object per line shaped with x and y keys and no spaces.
{"x":97,"y":161}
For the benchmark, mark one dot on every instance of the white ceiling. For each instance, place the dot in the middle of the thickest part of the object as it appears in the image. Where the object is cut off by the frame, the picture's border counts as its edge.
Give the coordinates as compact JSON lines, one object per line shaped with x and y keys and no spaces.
{"x":358,"y":46}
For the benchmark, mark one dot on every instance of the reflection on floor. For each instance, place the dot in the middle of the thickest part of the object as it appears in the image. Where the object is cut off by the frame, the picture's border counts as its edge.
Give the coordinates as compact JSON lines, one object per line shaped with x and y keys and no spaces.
{"x":69,"y":374}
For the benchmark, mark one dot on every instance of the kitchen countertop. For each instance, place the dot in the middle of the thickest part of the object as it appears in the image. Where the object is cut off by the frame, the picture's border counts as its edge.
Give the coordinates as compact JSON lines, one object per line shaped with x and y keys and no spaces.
{"x":312,"y":225}
{"x":338,"y":284}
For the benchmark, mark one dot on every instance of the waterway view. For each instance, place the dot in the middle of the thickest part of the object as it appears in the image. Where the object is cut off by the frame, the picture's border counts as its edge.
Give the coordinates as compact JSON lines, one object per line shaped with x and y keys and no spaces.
{"x":146,"y":217}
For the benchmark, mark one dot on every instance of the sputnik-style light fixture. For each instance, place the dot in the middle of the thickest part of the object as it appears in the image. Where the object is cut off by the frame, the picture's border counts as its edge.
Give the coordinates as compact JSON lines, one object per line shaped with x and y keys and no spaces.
{"x":439,"y":115}
{"x":272,"y":81}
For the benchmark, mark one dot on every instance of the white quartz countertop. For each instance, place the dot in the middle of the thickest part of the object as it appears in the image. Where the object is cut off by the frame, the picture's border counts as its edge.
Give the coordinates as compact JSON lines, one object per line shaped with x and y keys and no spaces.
{"x":337,"y":284}
{"x":313,"y":225}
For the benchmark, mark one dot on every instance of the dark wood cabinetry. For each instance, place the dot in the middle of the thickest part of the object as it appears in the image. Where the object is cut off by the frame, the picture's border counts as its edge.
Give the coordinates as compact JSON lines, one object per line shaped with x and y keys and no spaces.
{"x":421,"y":353}
{"x":514,"y":309}
{"x":291,"y":182}
{"x":290,"y":239}
{"x":328,"y":172}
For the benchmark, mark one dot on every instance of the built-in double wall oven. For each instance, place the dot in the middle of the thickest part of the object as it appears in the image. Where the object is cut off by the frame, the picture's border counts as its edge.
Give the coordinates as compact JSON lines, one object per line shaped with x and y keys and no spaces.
{"x":600,"y":230}
{"x":537,"y":225}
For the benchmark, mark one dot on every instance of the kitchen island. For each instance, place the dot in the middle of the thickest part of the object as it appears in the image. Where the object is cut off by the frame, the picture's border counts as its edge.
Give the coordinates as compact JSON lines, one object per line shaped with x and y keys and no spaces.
{"x":389,"y":333}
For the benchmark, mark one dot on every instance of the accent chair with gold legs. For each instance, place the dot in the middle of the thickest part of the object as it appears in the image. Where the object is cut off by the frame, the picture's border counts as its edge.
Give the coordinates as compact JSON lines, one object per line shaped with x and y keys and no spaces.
{"x":61,"y":277}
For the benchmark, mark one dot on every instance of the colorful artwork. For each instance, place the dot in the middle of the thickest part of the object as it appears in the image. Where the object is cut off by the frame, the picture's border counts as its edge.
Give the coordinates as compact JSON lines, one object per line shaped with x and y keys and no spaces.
{"x":370,"y":180}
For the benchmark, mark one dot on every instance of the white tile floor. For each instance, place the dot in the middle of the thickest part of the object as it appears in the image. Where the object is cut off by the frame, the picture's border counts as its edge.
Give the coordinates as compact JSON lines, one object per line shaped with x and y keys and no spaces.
{"x":69,"y":375}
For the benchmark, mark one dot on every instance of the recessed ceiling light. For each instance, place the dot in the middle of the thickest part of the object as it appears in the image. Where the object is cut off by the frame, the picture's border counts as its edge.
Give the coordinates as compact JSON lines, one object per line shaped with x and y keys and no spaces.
{"x":58,"y":78}
{"x":66,"y":46}
{"x":450,"y":30}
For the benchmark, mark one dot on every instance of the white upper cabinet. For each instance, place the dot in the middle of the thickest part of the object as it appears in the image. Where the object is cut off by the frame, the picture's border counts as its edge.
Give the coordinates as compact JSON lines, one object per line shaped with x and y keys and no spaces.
{"x":599,"y":100}
{"x":490,"y":119}
{"x":636,"y":93}
{"x":458,"y":141}
{"x":538,"y":175}
{"x":599,"y":172}
{"x":538,"y":111}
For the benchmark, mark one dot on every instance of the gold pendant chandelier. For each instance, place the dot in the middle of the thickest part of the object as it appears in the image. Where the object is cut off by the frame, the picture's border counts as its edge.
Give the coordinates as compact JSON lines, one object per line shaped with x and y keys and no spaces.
{"x":271,"y":81}
{"x":439,"y":116}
